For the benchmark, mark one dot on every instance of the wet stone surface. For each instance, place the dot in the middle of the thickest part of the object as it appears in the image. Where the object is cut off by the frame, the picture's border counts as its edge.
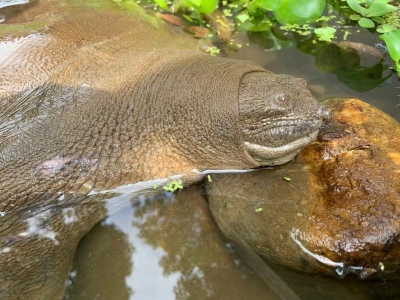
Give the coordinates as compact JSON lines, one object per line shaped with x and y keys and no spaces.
{"x":338,"y":213}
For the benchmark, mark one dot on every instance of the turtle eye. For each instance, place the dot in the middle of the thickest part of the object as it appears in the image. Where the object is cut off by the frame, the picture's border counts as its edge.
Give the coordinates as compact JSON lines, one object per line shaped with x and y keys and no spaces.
{"x":282,"y":101}
{"x":280,"y":98}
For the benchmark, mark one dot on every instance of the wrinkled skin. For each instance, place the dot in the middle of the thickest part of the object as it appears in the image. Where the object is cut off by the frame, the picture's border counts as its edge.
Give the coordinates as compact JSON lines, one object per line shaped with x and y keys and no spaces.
{"x":338,"y":214}
{"x":98,"y":107}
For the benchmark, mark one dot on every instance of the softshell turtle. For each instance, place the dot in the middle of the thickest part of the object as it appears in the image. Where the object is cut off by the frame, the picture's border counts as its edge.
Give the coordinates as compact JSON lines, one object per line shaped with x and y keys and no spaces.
{"x":98,"y":106}
{"x":334,"y":210}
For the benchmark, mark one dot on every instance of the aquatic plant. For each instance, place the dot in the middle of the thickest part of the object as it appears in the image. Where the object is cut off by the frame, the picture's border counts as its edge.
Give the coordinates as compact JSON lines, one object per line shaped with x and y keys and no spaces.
{"x":325,"y":34}
{"x":371,"y":12}
{"x":173,"y":186}
{"x":212,"y":50}
{"x":271,"y":17}
{"x":392,"y":40}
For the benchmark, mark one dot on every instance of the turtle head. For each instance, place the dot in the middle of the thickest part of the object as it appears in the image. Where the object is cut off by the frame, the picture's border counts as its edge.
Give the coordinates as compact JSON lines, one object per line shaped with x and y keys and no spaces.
{"x":278,"y":116}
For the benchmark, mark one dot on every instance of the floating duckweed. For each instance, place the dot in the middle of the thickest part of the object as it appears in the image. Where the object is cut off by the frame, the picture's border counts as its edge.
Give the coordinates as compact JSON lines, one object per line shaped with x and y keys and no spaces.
{"x":213,"y":50}
{"x":287,"y":178}
{"x":325,"y":34}
{"x":393,"y":18}
{"x":326,"y":18}
{"x":300,"y":29}
{"x":259,"y":209}
{"x":227,"y":12}
{"x":173,"y":186}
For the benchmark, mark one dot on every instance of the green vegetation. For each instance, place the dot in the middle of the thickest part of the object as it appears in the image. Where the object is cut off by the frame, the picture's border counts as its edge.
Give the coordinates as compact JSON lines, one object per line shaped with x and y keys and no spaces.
{"x":212,"y":50}
{"x":275,"y":20}
{"x":325,"y":34}
{"x":370,"y":12}
{"x":392,"y":40}
{"x":173,"y":186}
{"x":287,"y":178}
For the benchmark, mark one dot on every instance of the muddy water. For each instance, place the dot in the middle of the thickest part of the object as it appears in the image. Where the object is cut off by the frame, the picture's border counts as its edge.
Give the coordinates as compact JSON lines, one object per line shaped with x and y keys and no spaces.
{"x":164,"y":248}
{"x":168,"y":247}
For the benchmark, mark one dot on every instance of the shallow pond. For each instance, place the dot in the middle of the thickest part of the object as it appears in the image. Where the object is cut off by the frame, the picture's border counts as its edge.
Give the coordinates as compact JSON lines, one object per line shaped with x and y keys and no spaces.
{"x":168,"y":247}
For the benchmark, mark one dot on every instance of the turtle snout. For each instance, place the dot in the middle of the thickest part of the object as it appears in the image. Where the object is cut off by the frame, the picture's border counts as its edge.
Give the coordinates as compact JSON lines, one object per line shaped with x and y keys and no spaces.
{"x":324,"y":113}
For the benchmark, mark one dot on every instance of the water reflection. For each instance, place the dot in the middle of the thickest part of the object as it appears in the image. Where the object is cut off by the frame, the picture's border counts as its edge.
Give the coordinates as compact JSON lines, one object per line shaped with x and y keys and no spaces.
{"x":178,"y":254}
{"x":6,"y":3}
{"x":105,"y":264}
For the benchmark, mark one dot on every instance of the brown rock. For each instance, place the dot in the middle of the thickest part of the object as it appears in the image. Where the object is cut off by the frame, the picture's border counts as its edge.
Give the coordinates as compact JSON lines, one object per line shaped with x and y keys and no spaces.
{"x":340,"y":209}
{"x":170,"y":18}
{"x":197,"y":31}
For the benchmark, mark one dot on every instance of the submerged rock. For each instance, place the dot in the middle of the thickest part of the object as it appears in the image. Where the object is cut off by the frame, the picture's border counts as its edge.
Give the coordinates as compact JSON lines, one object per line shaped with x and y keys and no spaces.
{"x":335,"y":209}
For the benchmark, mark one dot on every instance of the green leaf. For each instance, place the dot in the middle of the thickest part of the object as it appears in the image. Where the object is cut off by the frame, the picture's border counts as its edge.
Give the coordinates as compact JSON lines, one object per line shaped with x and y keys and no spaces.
{"x":209,"y":177}
{"x":287,"y":178}
{"x":392,"y":40}
{"x":380,"y":30}
{"x":259,"y":209}
{"x":366,"y":23}
{"x":386,"y":28}
{"x":299,"y":11}
{"x":208,"y":6}
{"x":242,"y":17}
{"x":265,"y":4}
{"x":378,"y":9}
{"x":355,"y":17}
{"x":327,"y":30}
{"x":162,"y":4}
{"x":195,"y":3}
{"x":378,"y":20}
{"x":356,"y":7}
{"x":326,"y":33}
